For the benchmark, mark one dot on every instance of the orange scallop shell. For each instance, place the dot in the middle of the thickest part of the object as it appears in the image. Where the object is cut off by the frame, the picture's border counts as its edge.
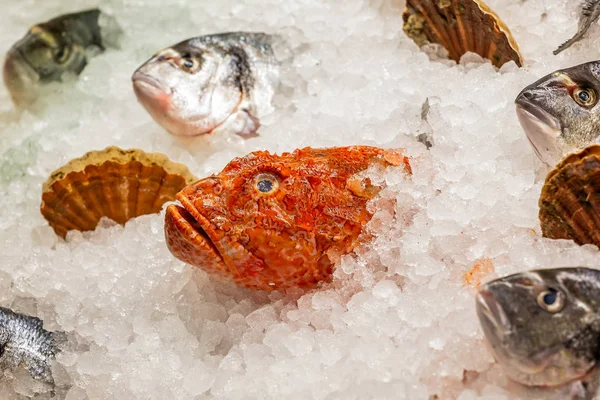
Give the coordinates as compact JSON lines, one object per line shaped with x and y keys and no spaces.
{"x":570,"y":199}
{"x":114,"y":183}
{"x":461,"y":26}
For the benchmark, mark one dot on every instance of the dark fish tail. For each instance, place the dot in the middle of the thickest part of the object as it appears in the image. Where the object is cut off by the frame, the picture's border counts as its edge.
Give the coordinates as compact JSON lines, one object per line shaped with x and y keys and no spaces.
{"x":589,"y":14}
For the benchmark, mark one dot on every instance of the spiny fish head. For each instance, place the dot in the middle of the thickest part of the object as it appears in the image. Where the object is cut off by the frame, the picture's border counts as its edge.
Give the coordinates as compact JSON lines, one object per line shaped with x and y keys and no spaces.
{"x":560,"y":112}
{"x":237,"y":224}
{"x":275,"y":221}
{"x":543,"y":326}
{"x":188,"y":89}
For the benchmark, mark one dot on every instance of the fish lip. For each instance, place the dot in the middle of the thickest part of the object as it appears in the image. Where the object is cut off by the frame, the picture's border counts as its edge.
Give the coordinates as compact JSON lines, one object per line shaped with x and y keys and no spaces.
{"x":532,"y":117}
{"x":142,"y":79}
{"x":537,"y":112}
{"x":16,"y":53}
{"x":490,"y":310}
{"x":20,"y":78}
{"x":198,"y":223}
{"x":496,"y":329}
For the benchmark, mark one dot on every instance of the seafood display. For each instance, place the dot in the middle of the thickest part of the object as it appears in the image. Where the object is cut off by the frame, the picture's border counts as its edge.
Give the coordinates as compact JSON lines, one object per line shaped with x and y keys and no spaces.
{"x":590,"y":10}
{"x":113,"y":183}
{"x":210,"y":84}
{"x":461,"y":26}
{"x":558,"y":112}
{"x":54,"y":49}
{"x":569,"y":202}
{"x":25,"y":343}
{"x":285,"y":222}
{"x":277,"y":221}
{"x":543,"y":326}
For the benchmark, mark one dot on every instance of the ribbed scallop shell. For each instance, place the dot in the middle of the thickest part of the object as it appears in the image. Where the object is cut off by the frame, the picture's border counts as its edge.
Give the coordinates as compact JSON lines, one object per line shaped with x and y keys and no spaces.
{"x":570,"y":199}
{"x":461,"y":26}
{"x":114,"y":183}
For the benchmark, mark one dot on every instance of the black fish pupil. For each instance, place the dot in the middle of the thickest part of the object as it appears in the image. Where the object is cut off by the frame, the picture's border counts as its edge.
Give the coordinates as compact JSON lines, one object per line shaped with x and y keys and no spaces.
{"x":60,"y":53}
{"x":265,"y":186}
{"x":584,"y":96}
{"x":188,"y":64}
{"x":549,"y":298}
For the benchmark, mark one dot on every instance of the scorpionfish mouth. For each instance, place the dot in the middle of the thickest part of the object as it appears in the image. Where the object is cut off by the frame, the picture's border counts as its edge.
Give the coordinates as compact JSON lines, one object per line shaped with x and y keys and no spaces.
{"x":190,"y":238}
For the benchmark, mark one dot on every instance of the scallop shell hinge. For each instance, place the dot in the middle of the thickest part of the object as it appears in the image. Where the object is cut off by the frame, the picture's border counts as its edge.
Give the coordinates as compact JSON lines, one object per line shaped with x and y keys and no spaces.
{"x":114,"y":183}
{"x":461,"y":26}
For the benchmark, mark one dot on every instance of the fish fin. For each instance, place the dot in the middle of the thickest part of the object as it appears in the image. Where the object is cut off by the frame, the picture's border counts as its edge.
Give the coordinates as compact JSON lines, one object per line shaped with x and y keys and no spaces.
{"x":589,"y":7}
{"x":242,"y":122}
{"x":589,"y":14}
{"x":60,"y":340}
{"x":571,"y":41}
{"x":39,"y":370}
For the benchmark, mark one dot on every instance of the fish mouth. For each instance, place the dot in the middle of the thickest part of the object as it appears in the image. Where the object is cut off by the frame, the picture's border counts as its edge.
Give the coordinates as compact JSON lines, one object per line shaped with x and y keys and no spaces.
{"x":496,"y":328}
{"x":538,"y":112}
{"x":20,"y":78}
{"x":491,"y":314}
{"x":191,"y":238}
{"x":542,"y":129}
{"x":147,"y":84}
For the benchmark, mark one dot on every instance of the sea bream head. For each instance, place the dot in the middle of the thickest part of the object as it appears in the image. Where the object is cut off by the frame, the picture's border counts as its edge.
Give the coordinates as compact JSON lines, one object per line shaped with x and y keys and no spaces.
{"x":543,"y":326}
{"x":49,"y":52}
{"x":206,"y":84}
{"x":560,"y":113}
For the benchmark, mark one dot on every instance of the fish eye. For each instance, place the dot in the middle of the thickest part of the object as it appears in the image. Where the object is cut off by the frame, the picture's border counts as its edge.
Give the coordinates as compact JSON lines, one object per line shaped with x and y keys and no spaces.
{"x":61,"y":54}
{"x":266,"y":183}
{"x":585,"y":97}
{"x":551,"y":300}
{"x":187,"y":63}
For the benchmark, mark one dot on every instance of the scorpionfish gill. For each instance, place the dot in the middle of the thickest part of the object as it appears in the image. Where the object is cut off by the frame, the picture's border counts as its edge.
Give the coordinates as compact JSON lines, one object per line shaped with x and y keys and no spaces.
{"x":273,"y":222}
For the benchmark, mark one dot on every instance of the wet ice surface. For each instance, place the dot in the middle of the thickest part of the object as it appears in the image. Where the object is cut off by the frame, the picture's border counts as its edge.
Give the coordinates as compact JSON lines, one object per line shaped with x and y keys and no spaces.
{"x":397,"y":321}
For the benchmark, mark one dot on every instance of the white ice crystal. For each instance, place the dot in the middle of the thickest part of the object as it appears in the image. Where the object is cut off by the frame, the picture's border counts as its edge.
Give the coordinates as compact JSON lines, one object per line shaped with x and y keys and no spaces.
{"x":398,"y":321}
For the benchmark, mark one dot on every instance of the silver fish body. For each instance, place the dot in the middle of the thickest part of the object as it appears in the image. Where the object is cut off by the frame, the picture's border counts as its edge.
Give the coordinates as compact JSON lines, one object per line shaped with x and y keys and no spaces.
{"x":590,"y":11}
{"x":24,"y":343}
{"x":210,"y":84}
{"x":543,"y":326}
{"x":55,"y":48}
{"x":559,"y":113}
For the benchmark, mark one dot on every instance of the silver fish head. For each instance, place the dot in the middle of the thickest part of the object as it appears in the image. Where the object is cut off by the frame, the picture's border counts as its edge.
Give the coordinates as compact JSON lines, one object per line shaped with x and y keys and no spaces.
{"x":189,"y":89}
{"x":560,"y":113}
{"x":543,"y":326}
{"x":43,"y":55}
